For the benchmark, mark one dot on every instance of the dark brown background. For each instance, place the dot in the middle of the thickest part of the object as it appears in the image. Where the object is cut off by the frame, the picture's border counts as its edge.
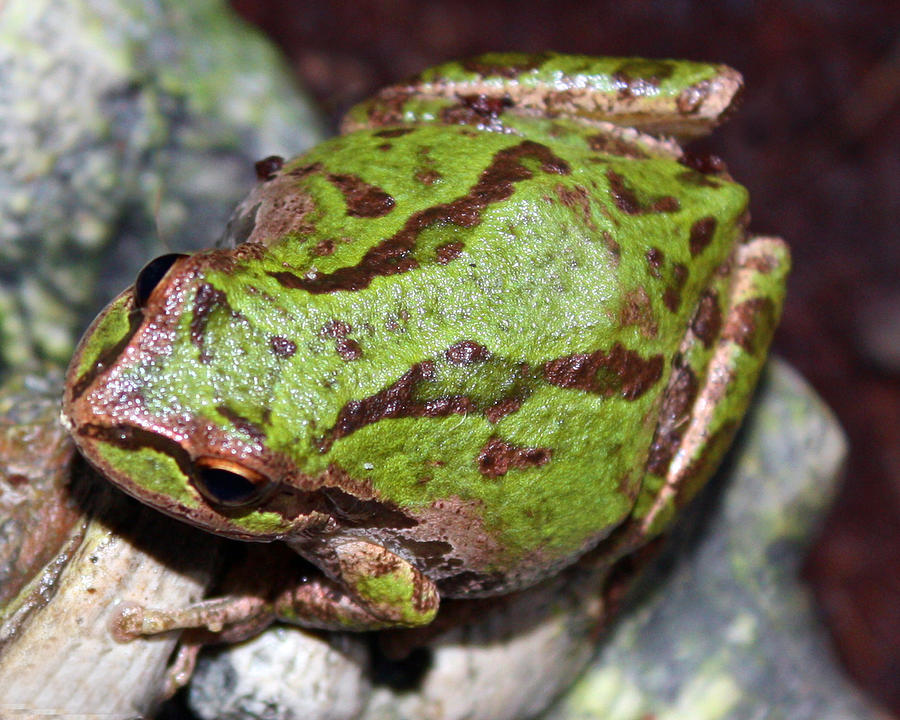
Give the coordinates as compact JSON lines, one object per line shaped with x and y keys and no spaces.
{"x":817,"y":141}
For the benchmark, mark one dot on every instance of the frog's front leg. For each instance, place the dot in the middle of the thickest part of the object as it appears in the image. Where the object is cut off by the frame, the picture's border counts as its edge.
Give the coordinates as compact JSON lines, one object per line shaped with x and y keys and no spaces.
{"x":714,"y":373}
{"x":376,"y":590}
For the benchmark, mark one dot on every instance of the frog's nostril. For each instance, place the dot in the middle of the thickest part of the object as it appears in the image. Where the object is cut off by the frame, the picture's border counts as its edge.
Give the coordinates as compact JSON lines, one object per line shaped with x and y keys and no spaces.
{"x":151,"y":274}
{"x":228,"y":484}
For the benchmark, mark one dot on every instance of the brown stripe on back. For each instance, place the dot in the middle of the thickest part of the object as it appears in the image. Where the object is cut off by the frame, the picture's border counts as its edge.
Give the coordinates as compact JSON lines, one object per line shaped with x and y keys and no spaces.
{"x":394,"y":254}
{"x":617,"y":372}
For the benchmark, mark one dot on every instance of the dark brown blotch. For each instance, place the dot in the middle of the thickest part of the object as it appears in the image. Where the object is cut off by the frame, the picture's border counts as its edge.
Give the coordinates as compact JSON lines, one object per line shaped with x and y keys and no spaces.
{"x":577,"y":199}
{"x":267,"y":168}
{"x":348,"y":349}
{"x":619,"y":371}
{"x":671,"y":299}
{"x":324,"y":247}
{"x":626,"y":199}
{"x":336,"y":329}
{"x":637,"y":310}
{"x":705,"y":163}
{"x":487,"y":106}
{"x":610,"y":144}
{"x":638,"y":78}
{"x":674,"y":414}
{"x":763,"y":264}
{"x":464,"y":114}
{"x":692,"y":177}
{"x":17,"y":479}
{"x":665,"y":204}
{"x":242,"y":423}
{"x":672,"y":294}
{"x":428,"y":176}
{"x":707,"y":320}
{"x":449,"y":252}
{"x":621,"y":194}
{"x":750,"y":323}
{"x":500,"y":409}
{"x":655,"y":260}
{"x":394,"y":132}
{"x":386,"y":108}
{"x":207,"y":300}
{"x":467,"y":352}
{"x":498,"y":457}
{"x":363,"y":199}
{"x":306,"y":170}
{"x":702,"y":232}
{"x":282,"y":346}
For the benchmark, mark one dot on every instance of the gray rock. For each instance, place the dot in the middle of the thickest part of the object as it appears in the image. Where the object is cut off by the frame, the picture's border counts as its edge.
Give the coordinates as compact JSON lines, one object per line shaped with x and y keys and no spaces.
{"x":127,"y":128}
{"x":284,"y":674}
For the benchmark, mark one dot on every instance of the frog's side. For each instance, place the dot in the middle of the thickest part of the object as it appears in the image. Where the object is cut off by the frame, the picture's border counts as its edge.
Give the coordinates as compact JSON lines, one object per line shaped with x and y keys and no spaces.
{"x":483,"y":332}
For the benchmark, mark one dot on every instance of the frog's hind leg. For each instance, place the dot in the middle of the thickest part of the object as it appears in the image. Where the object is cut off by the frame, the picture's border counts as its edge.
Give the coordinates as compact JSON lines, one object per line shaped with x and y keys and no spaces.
{"x":702,"y":409}
{"x":489,"y":92}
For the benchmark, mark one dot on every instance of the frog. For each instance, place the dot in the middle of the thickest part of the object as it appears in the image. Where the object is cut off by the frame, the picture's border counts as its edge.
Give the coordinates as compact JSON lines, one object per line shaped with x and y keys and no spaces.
{"x":502,"y":324}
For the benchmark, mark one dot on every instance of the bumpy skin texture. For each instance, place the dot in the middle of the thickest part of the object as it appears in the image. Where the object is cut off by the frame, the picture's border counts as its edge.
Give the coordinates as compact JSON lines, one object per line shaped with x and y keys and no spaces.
{"x":486,"y":330}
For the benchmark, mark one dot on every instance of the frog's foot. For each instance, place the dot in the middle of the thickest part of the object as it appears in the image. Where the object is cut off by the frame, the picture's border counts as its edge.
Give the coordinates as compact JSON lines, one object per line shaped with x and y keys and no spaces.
{"x":179,"y":672}
{"x":698,"y":420}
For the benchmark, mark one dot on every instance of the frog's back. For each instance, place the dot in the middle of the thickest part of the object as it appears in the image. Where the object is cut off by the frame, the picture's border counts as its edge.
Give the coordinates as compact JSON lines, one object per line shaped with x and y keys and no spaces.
{"x":474,"y":319}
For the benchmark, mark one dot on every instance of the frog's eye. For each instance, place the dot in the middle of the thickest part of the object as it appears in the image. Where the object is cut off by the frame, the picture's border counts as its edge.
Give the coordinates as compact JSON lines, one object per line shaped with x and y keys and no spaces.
{"x":227,"y":483}
{"x":148,"y":278}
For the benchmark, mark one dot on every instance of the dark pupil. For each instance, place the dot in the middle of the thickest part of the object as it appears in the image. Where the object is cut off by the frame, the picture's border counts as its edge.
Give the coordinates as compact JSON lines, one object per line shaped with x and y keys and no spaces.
{"x":149,"y":277}
{"x":225,"y":487}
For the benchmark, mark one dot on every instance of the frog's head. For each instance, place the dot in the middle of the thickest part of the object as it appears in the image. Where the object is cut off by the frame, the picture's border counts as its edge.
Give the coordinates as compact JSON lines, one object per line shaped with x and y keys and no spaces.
{"x":168,"y":396}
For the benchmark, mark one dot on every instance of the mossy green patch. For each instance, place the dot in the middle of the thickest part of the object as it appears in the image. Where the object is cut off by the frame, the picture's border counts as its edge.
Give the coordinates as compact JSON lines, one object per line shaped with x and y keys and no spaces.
{"x":394,"y":590}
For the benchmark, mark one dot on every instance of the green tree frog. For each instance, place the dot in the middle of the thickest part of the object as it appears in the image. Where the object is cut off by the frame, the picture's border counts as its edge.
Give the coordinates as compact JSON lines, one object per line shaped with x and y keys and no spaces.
{"x":502,"y":320}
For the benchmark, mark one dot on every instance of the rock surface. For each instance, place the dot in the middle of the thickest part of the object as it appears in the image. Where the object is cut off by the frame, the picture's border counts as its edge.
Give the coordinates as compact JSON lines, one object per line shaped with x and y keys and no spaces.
{"x":127,"y":129}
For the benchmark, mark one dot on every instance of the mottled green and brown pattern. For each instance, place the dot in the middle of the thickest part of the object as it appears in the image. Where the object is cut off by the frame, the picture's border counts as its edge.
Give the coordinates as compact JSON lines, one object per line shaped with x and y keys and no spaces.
{"x":483,"y":330}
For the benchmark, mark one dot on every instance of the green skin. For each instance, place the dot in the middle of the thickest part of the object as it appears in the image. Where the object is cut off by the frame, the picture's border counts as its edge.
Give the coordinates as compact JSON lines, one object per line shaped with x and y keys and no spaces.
{"x":494,"y":325}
